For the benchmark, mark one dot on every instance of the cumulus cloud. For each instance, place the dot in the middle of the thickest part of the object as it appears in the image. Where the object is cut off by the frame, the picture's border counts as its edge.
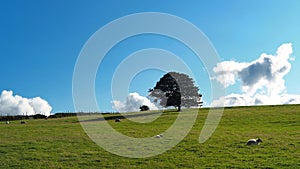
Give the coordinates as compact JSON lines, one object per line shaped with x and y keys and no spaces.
{"x":258,"y":99}
{"x":132,"y":103}
{"x":227,"y":72}
{"x":17,"y":105}
{"x":262,"y":81}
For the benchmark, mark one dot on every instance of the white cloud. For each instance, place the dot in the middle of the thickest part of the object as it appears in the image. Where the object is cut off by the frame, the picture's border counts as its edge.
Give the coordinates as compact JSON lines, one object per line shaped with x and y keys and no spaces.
{"x":262,"y":80}
{"x":133,"y":103}
{"x":258,"y":99}
{"x":18,"y":105}
{"x":227,"y":72}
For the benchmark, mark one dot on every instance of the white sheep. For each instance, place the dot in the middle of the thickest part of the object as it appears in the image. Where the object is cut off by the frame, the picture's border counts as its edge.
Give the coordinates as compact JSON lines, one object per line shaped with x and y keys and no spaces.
{"x":7,"y":122}
{"x":159,"y":136}
{"x":254,"y":141}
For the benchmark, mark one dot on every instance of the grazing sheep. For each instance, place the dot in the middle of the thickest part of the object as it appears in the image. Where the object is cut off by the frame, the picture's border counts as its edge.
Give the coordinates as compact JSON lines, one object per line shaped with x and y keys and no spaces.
{"x":159,"y":136}
{"x":254,"y":141}
{"x":117,"y":120}
{"x":7,"y":122}
{"x":23,"y":122}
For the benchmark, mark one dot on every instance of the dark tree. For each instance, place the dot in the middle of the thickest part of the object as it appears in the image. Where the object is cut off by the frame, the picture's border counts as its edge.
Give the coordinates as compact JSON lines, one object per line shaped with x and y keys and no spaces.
{"x":176,"y":89}
{"x":144,"y":108}
{"x":39,"y":116}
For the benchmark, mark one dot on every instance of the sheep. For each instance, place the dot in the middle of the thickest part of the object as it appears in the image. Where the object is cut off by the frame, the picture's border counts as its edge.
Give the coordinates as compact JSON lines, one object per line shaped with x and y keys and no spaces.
{"x":159,"y":136}
{"x":254,"y":141}
{"x":117,"y":120}
{"x":23,"y":122}
{"x":7,"y":122}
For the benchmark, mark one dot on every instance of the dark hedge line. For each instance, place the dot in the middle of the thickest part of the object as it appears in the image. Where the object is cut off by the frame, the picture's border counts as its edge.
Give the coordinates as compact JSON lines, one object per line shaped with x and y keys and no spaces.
{"x":21,"y":117}
{"x":40,"y":116}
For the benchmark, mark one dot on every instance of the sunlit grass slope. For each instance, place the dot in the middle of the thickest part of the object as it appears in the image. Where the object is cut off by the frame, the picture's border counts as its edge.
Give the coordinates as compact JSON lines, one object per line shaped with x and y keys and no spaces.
{"x":62,"y":143}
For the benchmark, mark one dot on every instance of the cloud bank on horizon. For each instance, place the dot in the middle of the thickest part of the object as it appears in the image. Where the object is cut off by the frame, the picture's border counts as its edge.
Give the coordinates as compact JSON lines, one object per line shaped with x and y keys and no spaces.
{"x":17,"y":105}
{"x":262,"y":80}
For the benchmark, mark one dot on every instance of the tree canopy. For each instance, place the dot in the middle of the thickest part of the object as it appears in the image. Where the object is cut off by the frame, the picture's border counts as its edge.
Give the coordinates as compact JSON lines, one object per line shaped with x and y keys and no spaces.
{"x":176,"y":89}
{"x":144,"y":108}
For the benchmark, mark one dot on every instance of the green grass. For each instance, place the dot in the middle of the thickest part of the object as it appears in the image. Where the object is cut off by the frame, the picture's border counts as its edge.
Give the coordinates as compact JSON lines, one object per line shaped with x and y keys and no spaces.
{"x":62,"y":143}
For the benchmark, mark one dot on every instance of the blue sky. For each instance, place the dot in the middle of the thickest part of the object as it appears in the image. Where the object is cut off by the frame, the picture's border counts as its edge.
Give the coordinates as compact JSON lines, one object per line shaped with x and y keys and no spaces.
{"x":41,"y":40}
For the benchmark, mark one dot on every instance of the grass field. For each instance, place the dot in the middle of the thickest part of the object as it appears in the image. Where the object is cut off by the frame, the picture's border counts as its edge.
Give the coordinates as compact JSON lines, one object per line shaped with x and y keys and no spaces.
{"x":62,"y":143}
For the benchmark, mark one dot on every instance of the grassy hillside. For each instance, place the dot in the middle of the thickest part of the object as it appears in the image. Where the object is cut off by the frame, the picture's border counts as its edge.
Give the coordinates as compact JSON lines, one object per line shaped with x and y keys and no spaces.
{"x":62,"y":143}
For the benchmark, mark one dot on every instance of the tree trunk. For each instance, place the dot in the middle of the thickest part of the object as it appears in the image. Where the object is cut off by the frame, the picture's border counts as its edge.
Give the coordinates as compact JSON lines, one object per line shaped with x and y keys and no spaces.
{"x":179,"y":108}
